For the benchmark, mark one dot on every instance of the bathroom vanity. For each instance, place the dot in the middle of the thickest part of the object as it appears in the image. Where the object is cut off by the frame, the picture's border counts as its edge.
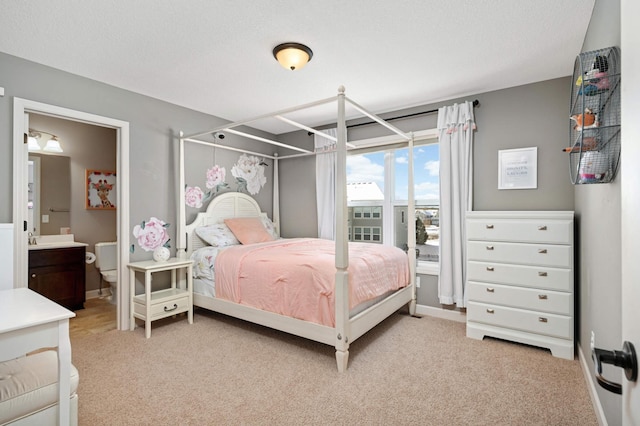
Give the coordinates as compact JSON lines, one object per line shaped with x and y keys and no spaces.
{"x":57,"y":271}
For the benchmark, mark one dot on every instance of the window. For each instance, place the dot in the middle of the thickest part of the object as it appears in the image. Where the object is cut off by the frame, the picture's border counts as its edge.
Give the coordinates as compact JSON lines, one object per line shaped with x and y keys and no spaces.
{"x":368,"y":234}
{"x":377,"y":193}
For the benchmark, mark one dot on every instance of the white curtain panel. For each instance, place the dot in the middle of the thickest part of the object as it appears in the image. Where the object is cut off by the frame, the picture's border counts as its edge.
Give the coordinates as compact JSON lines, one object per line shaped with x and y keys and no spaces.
{"x":326,"y":184}
{"x":455,"y":135}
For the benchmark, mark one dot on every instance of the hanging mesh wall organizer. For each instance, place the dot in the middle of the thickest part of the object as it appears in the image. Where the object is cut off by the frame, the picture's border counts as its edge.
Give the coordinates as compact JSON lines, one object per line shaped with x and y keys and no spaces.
{"x":594,"y":151}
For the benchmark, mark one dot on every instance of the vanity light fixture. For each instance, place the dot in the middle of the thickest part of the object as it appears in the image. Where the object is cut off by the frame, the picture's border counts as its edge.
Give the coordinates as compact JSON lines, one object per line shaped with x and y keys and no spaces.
{"x":33,"y":142}
{"x":53,"y":145}
{"x":292,"y":56}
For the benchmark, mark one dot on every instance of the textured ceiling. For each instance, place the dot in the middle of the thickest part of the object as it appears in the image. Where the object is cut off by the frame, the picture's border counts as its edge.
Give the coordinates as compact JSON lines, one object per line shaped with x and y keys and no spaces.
{"x":215,"y":56}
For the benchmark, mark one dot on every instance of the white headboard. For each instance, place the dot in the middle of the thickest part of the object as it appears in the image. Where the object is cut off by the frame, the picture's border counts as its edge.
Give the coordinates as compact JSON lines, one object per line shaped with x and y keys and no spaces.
{"x":224,"y":206}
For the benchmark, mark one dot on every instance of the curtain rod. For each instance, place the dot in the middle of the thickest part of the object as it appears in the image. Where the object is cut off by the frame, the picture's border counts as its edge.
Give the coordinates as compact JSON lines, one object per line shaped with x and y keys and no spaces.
{"x":475,"y":103}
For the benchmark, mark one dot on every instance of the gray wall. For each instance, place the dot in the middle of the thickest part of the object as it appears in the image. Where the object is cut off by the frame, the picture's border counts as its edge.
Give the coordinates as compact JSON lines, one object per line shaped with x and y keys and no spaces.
{"x":525,"y":116}
{"x":153,"y":127}
{"x":598,"y":209}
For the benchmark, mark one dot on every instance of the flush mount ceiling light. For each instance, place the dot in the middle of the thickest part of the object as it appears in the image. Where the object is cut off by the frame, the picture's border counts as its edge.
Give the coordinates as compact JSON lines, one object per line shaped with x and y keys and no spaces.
{"x":33,"y":143}
{"x":292,"y":56}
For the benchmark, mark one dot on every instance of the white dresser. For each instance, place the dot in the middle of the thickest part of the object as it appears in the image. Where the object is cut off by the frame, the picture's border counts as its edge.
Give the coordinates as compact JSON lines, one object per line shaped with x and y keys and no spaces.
{"x":520,"y":281}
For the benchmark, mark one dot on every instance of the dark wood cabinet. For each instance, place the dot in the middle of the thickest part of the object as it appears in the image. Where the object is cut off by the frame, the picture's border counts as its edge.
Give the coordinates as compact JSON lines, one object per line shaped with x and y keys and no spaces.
{"x":59,"y":274}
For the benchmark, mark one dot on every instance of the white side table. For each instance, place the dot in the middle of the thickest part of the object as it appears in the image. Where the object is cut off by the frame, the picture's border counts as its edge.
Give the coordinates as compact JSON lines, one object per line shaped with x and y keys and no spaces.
{"x":153,"y":305}
{"x":30,"y":321}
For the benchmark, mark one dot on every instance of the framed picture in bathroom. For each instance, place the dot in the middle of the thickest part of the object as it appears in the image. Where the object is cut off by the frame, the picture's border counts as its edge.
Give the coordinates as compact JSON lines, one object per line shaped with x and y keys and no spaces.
{"x":100,"y":189}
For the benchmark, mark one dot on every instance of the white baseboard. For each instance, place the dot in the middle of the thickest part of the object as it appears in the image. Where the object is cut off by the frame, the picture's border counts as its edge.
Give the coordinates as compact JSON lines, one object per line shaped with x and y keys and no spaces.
{"x":449,"y":314}
{"x":591,"y":386}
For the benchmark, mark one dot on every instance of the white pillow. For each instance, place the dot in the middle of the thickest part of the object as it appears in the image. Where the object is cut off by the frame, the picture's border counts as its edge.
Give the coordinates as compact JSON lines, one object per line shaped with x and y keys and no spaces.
{"x":270,"y":227}
{"x":204,"y":260}
{"x":218,"y":235}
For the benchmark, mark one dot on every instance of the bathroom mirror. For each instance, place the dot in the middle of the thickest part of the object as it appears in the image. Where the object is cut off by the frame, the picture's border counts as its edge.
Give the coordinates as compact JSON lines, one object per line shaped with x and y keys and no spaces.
{"x":49,"y":200}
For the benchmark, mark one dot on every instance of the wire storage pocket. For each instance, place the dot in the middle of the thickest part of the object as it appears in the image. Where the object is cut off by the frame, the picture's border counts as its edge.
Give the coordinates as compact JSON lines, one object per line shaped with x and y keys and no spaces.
{"x":594,"y":151}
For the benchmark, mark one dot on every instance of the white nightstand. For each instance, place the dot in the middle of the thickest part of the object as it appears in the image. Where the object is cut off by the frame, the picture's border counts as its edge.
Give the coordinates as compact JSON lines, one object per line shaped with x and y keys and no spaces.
{"x":153,"y":305}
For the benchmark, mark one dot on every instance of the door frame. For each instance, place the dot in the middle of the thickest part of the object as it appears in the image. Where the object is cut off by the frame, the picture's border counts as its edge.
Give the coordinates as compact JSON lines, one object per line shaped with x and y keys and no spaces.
{"x":22,"y":107}
{"x":630,"y":202}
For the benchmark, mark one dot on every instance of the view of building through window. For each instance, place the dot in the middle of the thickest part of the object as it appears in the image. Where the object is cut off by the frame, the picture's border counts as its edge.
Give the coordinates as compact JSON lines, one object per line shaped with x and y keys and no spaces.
{"x":369,"y":203}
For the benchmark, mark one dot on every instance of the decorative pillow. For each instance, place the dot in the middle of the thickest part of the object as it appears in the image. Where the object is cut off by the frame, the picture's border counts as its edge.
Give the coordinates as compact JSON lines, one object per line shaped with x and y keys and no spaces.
{"x":270,"y":227}
{"x":248,"y":230}
{"x":218,"y":235}
{"x":204,"y":260}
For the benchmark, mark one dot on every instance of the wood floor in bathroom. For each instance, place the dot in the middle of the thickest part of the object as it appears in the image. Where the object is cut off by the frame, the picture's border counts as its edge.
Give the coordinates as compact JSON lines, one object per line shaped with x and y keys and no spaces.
{"x":98,"y":316}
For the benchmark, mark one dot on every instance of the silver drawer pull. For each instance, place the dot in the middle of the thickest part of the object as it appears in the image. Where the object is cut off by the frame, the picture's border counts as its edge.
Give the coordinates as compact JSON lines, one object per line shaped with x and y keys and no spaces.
{"x":490,"y":290}
{"x":490,"y":268}
{"x":489,"y":226}
{"x":542,"y":228}
{"x":489,"y":247}
{"x":175,"y":306}
{"x":542,"y":296}
{"x":542,"y":319}
{"x":542,"y":274}
{"x":490,"y":311}
{"x":542,"y":251}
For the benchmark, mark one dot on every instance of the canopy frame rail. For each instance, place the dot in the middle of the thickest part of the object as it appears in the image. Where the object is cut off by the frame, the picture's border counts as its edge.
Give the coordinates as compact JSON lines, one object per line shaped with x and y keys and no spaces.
{"x":264,"y":116}
{"x":379,"y":120}
{"x":230,"y":148}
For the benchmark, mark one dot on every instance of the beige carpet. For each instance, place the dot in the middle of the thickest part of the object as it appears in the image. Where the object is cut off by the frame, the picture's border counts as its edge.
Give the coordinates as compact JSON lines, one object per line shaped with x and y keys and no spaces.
{"x":407,"y":371}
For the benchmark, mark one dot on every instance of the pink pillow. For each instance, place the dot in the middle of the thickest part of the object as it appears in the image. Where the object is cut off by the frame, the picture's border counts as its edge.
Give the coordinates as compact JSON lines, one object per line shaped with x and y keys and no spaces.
{"x":248,"y":230}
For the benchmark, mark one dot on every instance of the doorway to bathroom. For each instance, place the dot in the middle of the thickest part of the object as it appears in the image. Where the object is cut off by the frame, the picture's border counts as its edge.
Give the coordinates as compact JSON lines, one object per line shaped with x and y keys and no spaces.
{"x":95,"y":224}
{"x":61,"y":202}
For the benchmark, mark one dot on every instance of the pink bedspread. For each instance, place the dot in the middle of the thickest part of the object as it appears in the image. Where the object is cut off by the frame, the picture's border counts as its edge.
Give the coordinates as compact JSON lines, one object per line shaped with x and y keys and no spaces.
{"x":295,"y":277}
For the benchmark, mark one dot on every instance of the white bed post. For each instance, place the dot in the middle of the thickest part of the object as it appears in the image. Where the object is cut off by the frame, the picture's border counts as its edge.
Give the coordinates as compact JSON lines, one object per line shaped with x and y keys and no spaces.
{"x":342,"y":241}
{"x":411,"y":229}
{"x":276,"y":194}
{"x":181,"y":236}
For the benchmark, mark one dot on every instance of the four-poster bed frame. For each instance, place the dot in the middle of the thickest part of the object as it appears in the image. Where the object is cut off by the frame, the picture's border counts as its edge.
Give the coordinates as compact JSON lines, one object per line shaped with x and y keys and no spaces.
{"x":347,"y":327}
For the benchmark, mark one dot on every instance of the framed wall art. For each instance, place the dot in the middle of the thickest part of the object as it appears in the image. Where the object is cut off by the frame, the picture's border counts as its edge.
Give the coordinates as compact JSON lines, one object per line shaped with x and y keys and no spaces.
{"x":518,"y":168}
{"x":100,"y":189}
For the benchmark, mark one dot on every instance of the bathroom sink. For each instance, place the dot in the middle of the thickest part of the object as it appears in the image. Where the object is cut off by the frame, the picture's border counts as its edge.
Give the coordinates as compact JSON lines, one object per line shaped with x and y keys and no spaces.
{"x":54,"y":241}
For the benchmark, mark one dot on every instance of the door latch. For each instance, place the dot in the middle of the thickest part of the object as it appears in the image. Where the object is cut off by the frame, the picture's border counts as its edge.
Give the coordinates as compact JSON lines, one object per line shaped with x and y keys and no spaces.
{"x":626,"y":358}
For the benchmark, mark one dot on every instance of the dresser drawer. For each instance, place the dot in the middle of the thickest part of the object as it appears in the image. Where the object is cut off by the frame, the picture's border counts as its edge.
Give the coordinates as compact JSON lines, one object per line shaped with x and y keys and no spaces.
{"x":527,"y":276}
{"x":551,"y":231}
{"x":559,"y":256}
{"x":521,"y":297}
{"x":553,"y":325}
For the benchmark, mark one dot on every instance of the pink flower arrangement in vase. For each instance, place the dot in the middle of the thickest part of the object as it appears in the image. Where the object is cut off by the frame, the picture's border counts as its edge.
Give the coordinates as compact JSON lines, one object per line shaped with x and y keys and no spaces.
{"x":152,"y":236}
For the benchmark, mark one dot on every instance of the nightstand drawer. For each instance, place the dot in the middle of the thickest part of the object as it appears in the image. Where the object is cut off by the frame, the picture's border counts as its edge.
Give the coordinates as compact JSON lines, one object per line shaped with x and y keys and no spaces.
{"x":558,"y":256}
{"x":164,"y":308}
{"x":520,"y":297}
{"x":521,"y":230}
{"x":526,"y":276}
{"x":547,"y":324}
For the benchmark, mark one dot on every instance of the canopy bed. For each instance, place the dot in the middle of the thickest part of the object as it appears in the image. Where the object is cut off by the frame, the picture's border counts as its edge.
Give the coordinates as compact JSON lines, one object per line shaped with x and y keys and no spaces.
{"x":349,"y":304}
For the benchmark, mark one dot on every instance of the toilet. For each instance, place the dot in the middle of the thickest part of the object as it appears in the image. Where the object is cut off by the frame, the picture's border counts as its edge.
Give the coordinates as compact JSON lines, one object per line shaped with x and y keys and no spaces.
{"x":107,"y":264}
